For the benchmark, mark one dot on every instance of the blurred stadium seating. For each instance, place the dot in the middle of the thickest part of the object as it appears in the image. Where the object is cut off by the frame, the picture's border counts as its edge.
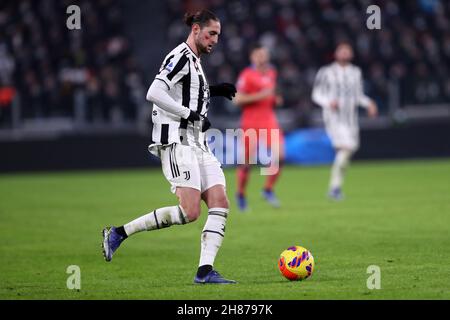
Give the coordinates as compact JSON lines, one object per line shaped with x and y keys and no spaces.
{"x":92,"y":76}
{"x":94,"y":80}
{"x":85,"y":76}
{"x":405,"y":63}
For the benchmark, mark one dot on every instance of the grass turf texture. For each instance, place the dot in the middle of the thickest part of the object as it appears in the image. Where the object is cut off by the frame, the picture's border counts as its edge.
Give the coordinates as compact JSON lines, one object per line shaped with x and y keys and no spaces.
{"x":396,"y":215}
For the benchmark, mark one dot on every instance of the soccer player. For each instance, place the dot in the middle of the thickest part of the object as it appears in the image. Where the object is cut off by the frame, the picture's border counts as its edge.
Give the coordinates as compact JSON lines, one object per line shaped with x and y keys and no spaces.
{"x":256,"y":95}
{"x":180,"y":96}
{"x":338,"y":89}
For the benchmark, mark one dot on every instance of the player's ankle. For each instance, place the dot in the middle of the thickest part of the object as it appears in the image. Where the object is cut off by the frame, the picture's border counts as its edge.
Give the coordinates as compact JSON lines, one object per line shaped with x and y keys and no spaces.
{"x":121,"y":231}
{"x":203,"y":270}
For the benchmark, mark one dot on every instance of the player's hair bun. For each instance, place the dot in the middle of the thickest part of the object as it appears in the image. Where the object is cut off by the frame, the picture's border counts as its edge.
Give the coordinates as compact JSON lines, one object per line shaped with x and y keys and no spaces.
{"x":188,"y":18}
{"x":200,"y":17}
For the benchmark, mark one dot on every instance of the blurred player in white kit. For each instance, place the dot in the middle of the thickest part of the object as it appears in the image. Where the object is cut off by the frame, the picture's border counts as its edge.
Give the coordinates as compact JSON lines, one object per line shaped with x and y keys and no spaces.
{"x":338,"y":89}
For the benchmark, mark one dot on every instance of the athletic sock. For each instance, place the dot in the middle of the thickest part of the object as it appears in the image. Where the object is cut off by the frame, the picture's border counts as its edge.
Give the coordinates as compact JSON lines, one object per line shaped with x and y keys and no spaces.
{"x":243,"y":173}
{"x":158,"y":219}
{"x":337,"y":171}
{"x":212,"y":235}
{"x":272,"y":179}
{"x":204,"y":270}
{"x":121,"y":231}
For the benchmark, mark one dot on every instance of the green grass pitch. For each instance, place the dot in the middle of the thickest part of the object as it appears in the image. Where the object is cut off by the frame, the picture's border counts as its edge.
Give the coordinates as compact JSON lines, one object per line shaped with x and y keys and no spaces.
{"x":396,"y":215}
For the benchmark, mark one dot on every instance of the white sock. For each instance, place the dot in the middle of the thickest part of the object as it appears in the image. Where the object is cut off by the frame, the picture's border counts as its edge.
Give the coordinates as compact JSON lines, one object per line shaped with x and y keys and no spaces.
{"x":337,"y":171}
{"x":158,"y":219}
{"x":212,"y":235}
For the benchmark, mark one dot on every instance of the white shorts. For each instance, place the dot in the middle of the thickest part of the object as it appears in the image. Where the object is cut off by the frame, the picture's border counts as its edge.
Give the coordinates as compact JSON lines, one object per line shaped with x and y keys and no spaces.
{"x":190,"y":166}
{"x":343,"y":136}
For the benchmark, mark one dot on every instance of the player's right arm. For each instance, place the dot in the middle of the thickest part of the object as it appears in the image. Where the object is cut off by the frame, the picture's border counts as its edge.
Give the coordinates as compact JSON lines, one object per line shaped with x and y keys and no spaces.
{"x":172,"y":70}
{"x":321,"y":91}
{"x":245,"y":96}
{"x":157,"y":93}
{"x":364,"y":101}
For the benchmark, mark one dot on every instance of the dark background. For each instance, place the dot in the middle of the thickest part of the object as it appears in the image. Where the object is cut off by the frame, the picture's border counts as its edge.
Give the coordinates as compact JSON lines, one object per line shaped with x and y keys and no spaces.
{"x":72,"y":99}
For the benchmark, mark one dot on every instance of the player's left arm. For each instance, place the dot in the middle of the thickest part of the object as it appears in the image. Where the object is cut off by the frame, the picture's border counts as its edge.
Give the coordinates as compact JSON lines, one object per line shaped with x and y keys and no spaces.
{"x":364,"y":101}
{"x":227,"y":90}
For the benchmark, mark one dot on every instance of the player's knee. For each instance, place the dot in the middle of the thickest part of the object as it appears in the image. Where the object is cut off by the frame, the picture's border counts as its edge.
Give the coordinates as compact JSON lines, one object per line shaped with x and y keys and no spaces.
{"x":193,"y":214}
{"x":221,"y":202}
{"x":192,"y":210}
{"x":225,"y":203}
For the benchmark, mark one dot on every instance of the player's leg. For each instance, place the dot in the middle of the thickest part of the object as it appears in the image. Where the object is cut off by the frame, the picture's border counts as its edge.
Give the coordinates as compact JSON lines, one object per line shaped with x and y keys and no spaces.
{"x":339,"y":136}
{"x":243,"y":174}
{"x":268,"y":192}
{"x":243,"y":171}
{"x":340,"y":163}
{"x":186,"y":211}
{"x":346,"y":143}
{"x":214,"y":195}
{"x":175,"y":160}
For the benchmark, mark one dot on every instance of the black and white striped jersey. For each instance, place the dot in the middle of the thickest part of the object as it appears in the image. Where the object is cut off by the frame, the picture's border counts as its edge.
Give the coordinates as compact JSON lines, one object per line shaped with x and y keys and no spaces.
{"x":343,"y":84}
{"x":183,"y":74}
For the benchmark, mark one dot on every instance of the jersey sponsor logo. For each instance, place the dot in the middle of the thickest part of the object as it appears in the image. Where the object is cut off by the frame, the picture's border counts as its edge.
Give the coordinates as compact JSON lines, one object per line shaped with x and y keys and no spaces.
{"x":206,"y":93}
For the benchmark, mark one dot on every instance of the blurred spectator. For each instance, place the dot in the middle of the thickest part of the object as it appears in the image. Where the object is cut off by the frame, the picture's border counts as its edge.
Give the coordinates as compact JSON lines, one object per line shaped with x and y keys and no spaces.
{"x":413,"y":46}
{"x":7,"y":94}
{"x":49,"y":66}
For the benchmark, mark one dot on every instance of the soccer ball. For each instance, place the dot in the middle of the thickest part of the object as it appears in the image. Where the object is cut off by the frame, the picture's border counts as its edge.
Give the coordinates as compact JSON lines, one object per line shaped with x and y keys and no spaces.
{"x":296,"y":263}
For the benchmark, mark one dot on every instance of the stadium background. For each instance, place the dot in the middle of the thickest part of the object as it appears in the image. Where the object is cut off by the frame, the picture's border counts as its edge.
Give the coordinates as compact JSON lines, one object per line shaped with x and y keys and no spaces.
{"x":76,"y":100}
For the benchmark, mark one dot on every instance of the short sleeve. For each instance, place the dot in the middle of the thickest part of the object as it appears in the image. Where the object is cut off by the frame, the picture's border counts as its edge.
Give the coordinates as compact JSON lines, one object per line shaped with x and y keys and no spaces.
{"x":173,"y":69}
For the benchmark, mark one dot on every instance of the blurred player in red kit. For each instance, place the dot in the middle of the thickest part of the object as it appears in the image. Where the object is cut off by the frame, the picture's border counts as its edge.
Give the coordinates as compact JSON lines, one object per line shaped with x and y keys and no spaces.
{"x":257,"y":98}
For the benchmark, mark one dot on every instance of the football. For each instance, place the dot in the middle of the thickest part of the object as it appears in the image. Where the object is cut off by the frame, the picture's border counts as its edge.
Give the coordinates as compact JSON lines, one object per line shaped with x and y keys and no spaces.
{"x":296,"y":263}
